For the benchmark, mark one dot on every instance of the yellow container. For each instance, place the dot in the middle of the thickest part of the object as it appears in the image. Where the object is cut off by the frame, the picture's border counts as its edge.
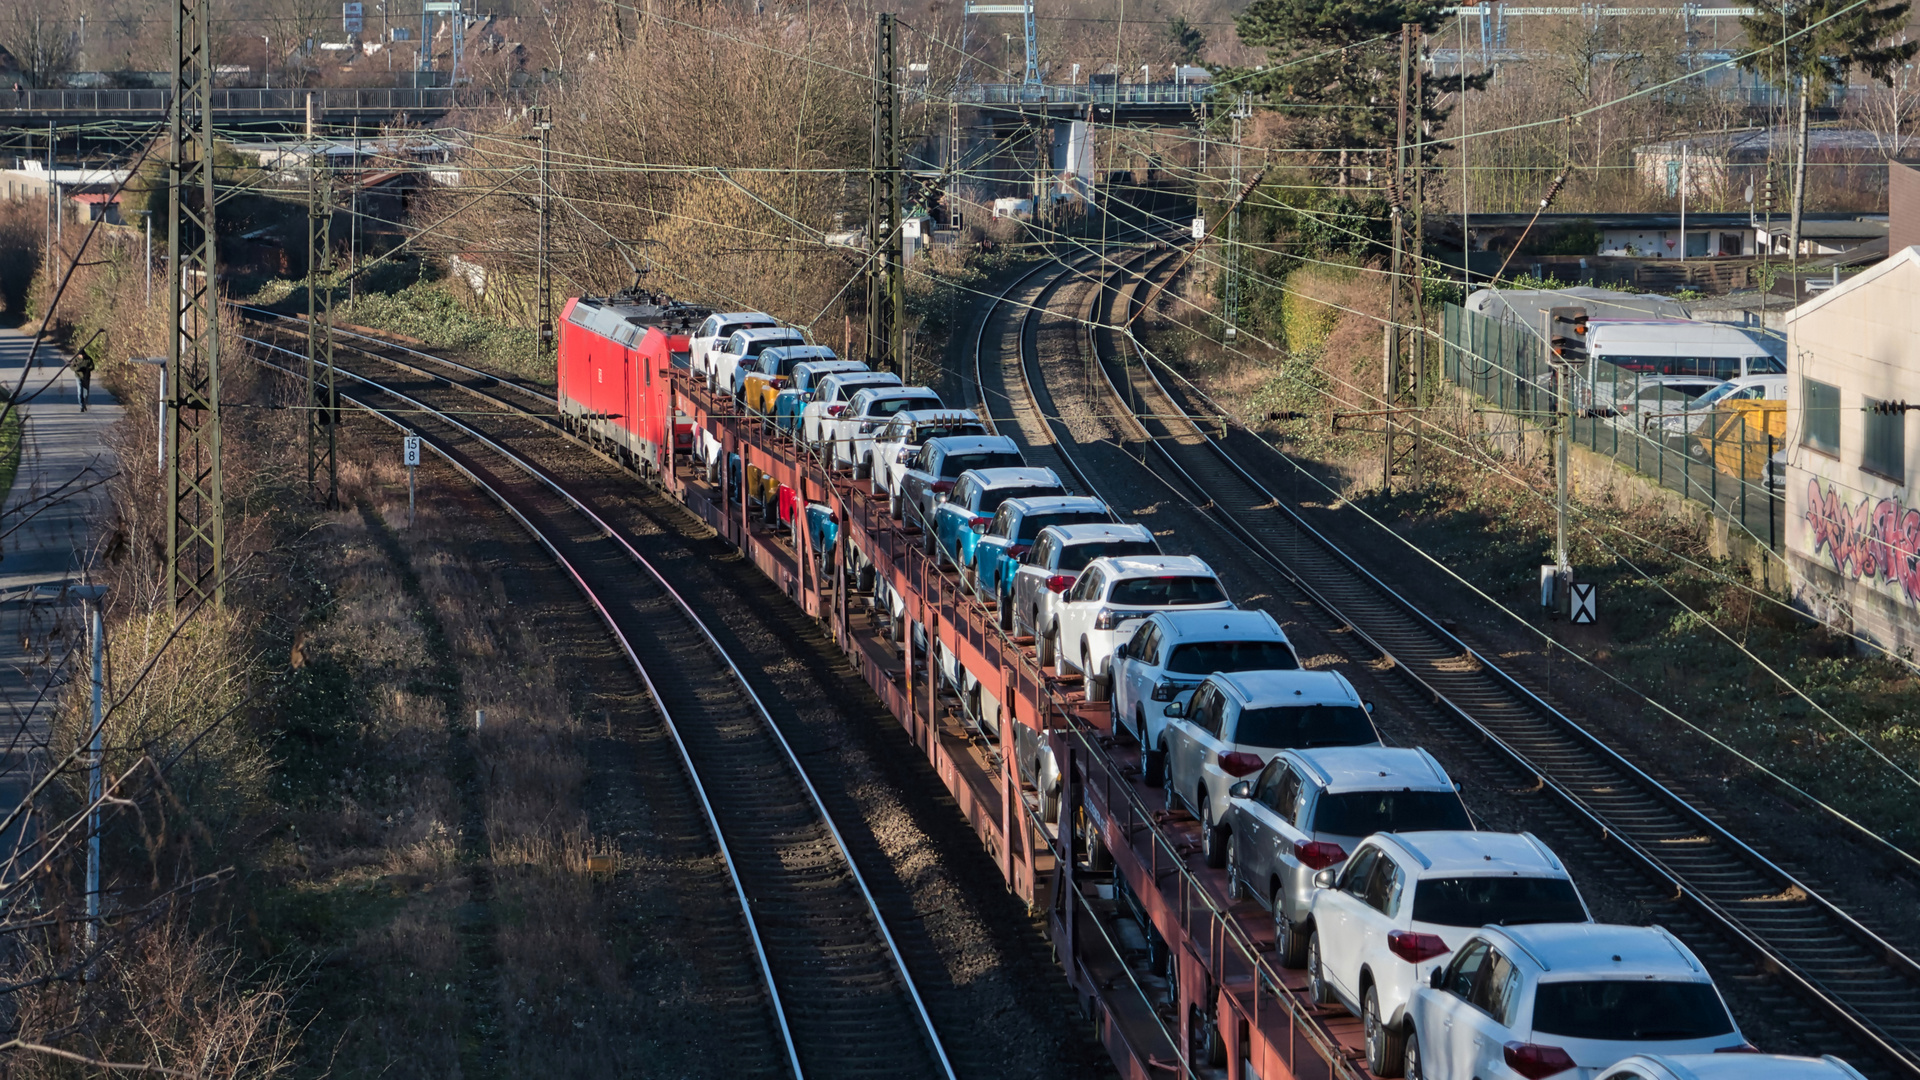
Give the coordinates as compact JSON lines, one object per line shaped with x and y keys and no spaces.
{"x":1745,"y":435}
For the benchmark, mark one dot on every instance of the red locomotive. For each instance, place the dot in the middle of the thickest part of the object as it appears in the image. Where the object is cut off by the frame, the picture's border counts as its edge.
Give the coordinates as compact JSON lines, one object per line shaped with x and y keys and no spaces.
{"x":615,"y":356}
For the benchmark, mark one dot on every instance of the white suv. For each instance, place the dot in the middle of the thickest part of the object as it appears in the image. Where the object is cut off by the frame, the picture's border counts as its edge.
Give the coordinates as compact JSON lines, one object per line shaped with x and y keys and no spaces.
{"x":1529,"y":1002}
{"x":1731,"y":1067}
{"x":1111,"y":594}
{"x":718,"y":328}
{"x":1048,"y":572}
{"x":1236,"y":723}
{"x":852,"y":429}
{"x":1308,"y":808}
{"x":1171,"y":652}
{"x":1400,"y":905}
{"x":895,"y":446}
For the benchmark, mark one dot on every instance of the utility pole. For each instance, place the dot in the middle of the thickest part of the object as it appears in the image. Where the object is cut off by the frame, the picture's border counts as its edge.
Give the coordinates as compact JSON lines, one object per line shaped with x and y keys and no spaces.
{"x":1242,"y":111}
{"x":544,"y":203}
{"x":322,"y":405}
{"x":196,"y":534}
{"x":1394,"y":388}
{"x":886,"y":269}
{"x":96,"y":638}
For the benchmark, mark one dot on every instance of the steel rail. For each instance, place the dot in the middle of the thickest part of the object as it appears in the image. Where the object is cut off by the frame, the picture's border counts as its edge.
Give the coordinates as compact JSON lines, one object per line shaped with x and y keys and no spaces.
{"x":606,"y":529}
{"x":1863,"y":1028}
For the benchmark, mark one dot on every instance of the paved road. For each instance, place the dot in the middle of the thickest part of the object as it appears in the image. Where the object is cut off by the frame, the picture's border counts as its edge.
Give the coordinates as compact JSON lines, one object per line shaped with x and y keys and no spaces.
{"x":45,"y":545}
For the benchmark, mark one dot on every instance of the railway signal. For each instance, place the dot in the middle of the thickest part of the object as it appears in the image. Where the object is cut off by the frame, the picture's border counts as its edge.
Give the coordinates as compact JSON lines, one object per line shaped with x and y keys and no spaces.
{"x":1583,"y":603}
{"x":411,"y":451}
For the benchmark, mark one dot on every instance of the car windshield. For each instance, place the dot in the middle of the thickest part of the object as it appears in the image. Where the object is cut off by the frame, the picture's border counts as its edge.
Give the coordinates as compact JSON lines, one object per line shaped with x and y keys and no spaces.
{"x":1497,"y":901}
{"x":1766,"y":365}
{"x":991,"y":500}
{"x":1166,"y":591}
{"x":1303,"y":727}
{"x":1630,"y":1010}
{"x":940,"y":431}
{"x":1031,"y":525}
{"x":1706,"y":400}
{"x":889,"y":406}
{"x":1206,"y":657}
{"x":954,"y":464}
{"x":1362,"y":813}
{"x":1078,"y":556}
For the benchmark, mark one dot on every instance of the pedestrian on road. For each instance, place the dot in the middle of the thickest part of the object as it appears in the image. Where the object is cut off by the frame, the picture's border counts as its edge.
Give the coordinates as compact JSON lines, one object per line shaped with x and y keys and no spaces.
{"x":83,"y":367}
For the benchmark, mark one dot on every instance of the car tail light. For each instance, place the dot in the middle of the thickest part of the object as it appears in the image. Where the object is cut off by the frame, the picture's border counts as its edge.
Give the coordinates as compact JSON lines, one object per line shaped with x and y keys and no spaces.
{"x":1060,"y":583}
{"x":1239,"y":764}
{"x":1413,"y":947}
{"x":977,"y":521}
{"x":1534,"y":1061}
{"x":866,"y":428}
{"x":1166,"y":690}
{"x":834,"y":410}
{"x":1318,"y":855}
{"x":943,"y":486}
{"x":1018,"y":550}
{"x":1107,"y":619}
{"x":1743,"y":1048}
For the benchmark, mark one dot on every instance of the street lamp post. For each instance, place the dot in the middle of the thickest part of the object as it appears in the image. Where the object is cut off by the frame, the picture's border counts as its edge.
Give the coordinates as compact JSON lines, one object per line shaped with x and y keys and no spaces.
{"x":266,"y":58}
{"x":149,"y":216}
{"x":160,"y":437}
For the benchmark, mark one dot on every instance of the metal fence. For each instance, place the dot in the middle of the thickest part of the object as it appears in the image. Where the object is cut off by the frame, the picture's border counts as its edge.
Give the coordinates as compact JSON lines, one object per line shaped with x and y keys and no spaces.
{"x":234,"y":100}
{"x":1718,"y":455}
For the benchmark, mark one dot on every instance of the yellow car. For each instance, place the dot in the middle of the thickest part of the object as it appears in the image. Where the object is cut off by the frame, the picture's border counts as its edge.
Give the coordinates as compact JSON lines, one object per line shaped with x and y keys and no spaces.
{"x":771,"y":371}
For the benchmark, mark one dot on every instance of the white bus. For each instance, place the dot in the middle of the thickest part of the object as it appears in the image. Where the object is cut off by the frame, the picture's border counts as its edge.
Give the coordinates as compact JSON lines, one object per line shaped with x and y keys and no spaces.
{"x":1682,"y":347}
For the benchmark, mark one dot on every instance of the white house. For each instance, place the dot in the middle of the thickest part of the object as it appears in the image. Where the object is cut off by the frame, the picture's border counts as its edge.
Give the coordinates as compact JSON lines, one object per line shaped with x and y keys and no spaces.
{"x":1853,"y":529}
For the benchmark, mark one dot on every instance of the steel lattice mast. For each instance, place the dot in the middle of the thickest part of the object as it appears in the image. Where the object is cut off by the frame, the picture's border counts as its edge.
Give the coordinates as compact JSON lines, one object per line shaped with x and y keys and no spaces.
{"x":196,"y":538}
{"x":323,"y":477}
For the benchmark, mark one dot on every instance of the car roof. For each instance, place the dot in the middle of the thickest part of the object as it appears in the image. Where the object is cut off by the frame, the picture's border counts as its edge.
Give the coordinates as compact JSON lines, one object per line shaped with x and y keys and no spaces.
{"x":1463,"y":852}
{"x":1132,"y":566}
{"x":1012,"y":476}
{"x":1762,"y":379}
{"x":1260,"y":689}
{"x":816,"y":353}
{"x":974,"y":444}
{"x":744,"y":316}
{"x":755,"y":333}
{"x":1746,"y":1066}
{"x":1375,"y":768}
{"x":884,"y":392}
{"x":1098,"y":531}
{"x":1216,"y":625}
{"x":862,"y":378}
{"x":934,"y":416}
{"x":1573,"y":950}
{"x":1055,"y":504}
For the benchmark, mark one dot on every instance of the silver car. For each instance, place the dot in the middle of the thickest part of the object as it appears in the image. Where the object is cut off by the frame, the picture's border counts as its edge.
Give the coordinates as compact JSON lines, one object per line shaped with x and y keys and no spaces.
{"x":1308,"y":809}
{"x":1059,"y":553}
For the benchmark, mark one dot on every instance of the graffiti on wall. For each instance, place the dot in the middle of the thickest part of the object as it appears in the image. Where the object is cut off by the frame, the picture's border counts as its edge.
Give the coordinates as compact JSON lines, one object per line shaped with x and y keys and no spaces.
{"x":1874,"y":539}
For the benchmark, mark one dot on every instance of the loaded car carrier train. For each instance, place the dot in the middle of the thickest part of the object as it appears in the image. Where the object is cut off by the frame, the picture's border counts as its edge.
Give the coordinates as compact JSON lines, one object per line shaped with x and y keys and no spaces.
{"x":1180,"y":970}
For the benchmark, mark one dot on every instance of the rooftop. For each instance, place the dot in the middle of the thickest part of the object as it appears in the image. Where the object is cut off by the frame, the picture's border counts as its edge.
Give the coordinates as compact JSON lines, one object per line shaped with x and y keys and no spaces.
{"x":1461,"y":852}
{"x":1377,"y":768}
{"x":1604,"y":949}
{"x":975,"y":444}
{"x":1056,"y":504}
{"x":1262,"y":688}
{"x":1219,"y":625}
{"x":1014,"y":476}
{"x":1098,"y":532}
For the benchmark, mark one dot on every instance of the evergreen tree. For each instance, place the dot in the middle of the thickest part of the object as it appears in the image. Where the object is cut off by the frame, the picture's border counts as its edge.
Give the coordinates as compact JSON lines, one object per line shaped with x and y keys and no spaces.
{"x":1187,"y":39}
{"x":1812,"y":46}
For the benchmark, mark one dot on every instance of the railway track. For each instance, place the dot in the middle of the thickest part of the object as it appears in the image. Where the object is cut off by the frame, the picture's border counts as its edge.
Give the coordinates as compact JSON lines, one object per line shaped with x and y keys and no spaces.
{"x":1867,"y":988}
{"x":840,"y":1001}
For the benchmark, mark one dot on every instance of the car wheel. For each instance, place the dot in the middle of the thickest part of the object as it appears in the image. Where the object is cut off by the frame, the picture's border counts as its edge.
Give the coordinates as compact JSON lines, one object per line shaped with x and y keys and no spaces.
{"x":1096,"y":687}
{"x":1410,"y":1057}
{"x":1213,"y":837}
{"x":1288,"y":939}
{"x":1386,"y":1049}
{"x":1236,"y":889}
{"x":1006,"y":613}
{"x":1139,"y":727}
{"x":1153,"y":766}
{"x":1050,"y":648}
{"x":926,"y":543}
{"x":893,"y":507}
{"x":970,"y":579}
{"x":1317,"y":987}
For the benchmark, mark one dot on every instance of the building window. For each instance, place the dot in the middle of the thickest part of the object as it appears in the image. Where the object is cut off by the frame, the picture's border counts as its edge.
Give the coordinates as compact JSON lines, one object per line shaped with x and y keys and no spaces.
{"x":1885,"y":450}
{"x":1821,"y":403}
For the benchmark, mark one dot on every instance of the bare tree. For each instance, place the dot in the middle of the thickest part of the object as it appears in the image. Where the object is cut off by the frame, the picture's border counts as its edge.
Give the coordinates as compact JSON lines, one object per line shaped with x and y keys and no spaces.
{"x":44,"y":40}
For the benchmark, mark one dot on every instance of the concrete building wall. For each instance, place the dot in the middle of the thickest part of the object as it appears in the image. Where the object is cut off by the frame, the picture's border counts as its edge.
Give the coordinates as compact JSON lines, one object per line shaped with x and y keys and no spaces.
{"x":1903,"y":206}
{"x":1853,"y":535}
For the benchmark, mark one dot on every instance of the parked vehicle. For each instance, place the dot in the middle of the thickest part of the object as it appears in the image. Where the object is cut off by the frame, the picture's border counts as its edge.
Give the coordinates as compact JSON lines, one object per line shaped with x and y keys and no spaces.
{"x":1393,"y":913}
{"x":1681,"y":347}
{"x":718,"y":328}
{"x":1776,"y":470}
{"x":1695,"y":416}
{"x":1234,"y":724}
{"x":851,"y":430}
{"x":758,"y":384}
{"x":1652,"y":395}
{"x":830,"y":397}
{"x":894,"y":447}
{"x":1113,"y":594}
{"x":1730,"y":1067}
{"x":1059,"y":554}
{"x":931,"y":476}
{"x":1308,"y":808}
{"x":963,"y":514}
{"x":1010,"y":535}
{"x":1529,"y":1002}
{"x":744,"y":347}
{"x":802,"y":385}
{"x":1172,"y":651}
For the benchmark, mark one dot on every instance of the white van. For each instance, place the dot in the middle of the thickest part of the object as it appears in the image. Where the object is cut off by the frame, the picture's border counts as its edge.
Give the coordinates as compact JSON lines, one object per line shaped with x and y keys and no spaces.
{"x":1681,"y":347}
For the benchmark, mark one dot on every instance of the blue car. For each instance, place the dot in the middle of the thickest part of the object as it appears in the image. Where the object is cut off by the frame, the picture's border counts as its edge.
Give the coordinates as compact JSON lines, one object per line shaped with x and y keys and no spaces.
{"x":997,"y":554}
{"x":964,"y":515}
{"x":823,"y":532}
{"x":803,"y":380}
